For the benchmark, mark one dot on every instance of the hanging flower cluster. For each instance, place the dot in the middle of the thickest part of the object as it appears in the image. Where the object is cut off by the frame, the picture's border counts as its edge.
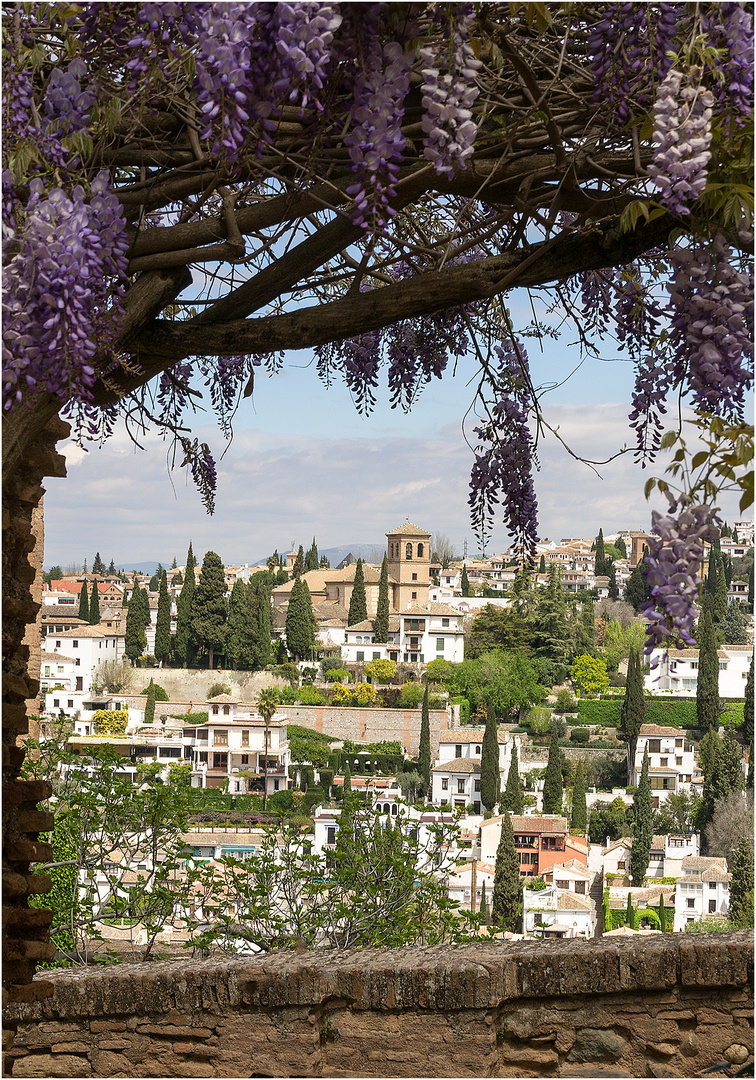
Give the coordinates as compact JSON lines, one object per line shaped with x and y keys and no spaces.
{"x":682,"y":133}
{"x":674,"y":564}
{"x":449,"y":92}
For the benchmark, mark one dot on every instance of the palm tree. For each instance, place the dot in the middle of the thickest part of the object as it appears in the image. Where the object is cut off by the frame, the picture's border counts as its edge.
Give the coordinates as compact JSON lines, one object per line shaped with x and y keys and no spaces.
{"x":267,"y":702}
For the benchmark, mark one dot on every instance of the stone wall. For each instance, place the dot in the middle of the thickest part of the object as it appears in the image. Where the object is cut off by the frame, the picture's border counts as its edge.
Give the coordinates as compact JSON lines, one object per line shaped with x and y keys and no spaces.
{"x":370,"y":725}
{"x":669,"y":1005}
{"x":192,"y":684}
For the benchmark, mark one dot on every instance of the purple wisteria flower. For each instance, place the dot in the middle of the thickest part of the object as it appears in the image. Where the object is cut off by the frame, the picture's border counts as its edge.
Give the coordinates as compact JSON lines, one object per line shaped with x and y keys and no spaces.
{"x":674,"y":563}
{"x":682,"y":133}
{"x":449,"y":92}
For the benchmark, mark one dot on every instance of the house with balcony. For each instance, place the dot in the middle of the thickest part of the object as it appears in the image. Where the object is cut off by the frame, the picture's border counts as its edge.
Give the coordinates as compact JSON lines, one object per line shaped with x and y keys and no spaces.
{"x":571,"y":876}
{"x":540,"y":841}
{"x":237,"y":750}
{"x":702,"y":891}
{"x":457,"y":783}
{"x":671,"y":760}
{"x":419,"y":634}
{"x":676,"y":671}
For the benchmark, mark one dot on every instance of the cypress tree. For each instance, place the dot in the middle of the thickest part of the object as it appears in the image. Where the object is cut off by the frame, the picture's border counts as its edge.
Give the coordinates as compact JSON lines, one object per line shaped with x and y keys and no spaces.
{"x":710,"y":581}
{"x":630,"y":913}
{"x":727,"y":774}
{"x":600,"y":561}
{"x":465,"y":582}
{"x":135,"y":640}
{"x":94,"y":605}
{"x":506,"y":889}
{"x":490,"y":781}
{"x":749,"y":778}
{"x":613,"y":587}
{"x":347,"y":778}
{"x":83,"y":603}
{"x":511,"y":800}
{"x":424,"y":759}
{"x":381,"y":622}
{"x":708,"y":753}
{"x":98,"y":566}
{"x":707,"y":686}
{"x":550,"y":630}
{"x":643,"y":830}
{"x":719,"y":610}
{"x":312,"y":559}
{"x":542,"y":565}
{"x":182,"y":644}
{"x":633,"y":710}
{"x":748,"y":707}
{"x":259,"y":591}
{"x":587,"y":628}
{"x":552,"y":783}
{"x":637,"y":590}
{"x":662,"y":913}
{"x":163,"y":623}
{"x":149,"y":705}
{"x":358,"y":599}
{"x":741,"y":888}
{"x":485,"y":915}
{"x":209,"y":616}
{"x":240,"y":647}
{"x":298,"y":567}
{"x":750,"y":587}
{"x":579,"y":822}
{"x":300,"y":639}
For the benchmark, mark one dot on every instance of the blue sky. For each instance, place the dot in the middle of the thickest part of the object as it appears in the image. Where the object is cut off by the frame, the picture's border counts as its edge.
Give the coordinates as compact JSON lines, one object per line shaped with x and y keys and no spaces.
{"x":304,"y":463}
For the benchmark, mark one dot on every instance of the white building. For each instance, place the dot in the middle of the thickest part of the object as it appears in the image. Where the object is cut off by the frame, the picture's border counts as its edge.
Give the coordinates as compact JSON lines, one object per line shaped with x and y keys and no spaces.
{"x":459,"y":883}
{"x":78,"y":652}
{"x":419,"y":634}
{"x":671,"y":760}
{"x":456,"y":772}
{"x":703,"y":891}
{"x":677,"y":671}
{"x":665,"y":860}
{"x":554,"y":912}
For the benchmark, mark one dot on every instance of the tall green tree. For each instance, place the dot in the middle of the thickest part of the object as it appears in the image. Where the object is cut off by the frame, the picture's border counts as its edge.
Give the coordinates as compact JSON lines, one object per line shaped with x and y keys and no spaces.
{"x":707,"y":686}
{"x":643,"y":826}
{"x":312,"y":560}
{"x":496,"y":628}
{"x":579,"y":821}
{"x":719,"y":609}
{"x":94,"y":605}
{"x":586,"y":632}
{"x":137,"y":621}
{"x":511,"y":800}
{"x":735,"y":626}
{"x":613,"y":586}
{"x":490,"y":778}
{"x":424,"y":759}
{"x":464,"y":581}
{"x":552,"y":781}
{"x":748,"y":708}
{"x":98,"y":566}
{"x":209,"y":616}
{"x":84,"y":601}
{"x":542,"y":565}
{"x":381,"y":621}
{"x":741,"y":888}
{"x":300,"y":636}
{"x":163,"y":622}
{"x":259,"y":588}
{"x":630,"y":912}
{"x":549,"y":627}
{"x":633,"y":710}
{"x":358,"y":599}
{"x":347,"y":789}
{"x":183,"y":643}
{"x":507,"y":886}
{"x":600,"y":564}
{"x":149,"y":705}
{"x":299,"y":563}
{"x":240,"y":646}
{"x":637,"y":590}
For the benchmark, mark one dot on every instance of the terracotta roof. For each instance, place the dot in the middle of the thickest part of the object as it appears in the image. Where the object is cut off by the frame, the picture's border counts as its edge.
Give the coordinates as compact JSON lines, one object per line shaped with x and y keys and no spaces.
{"x":223,"y":699}
{"x":458,"y":765}
{"x":703,"y":862}
{"x":654,"y":729}
{"x":433,"y":608}
{"x":62,"y":613}
{"x":408,"y":529}
{"x":715,"y":875}
{"x":568,"y":901}
{"x":571,"y":864}
{"x":534,"y":823}
{"x":90,"y":631}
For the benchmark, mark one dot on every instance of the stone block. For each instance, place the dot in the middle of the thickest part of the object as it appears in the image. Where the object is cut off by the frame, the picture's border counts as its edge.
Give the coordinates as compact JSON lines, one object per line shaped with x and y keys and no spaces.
{"x":591,"y":1071}
{"x":97,"y":1026}
{"x":713,"y":1016}
{"x":110,"y":1064}
{"x":113,"y":1044}
{"x":664,"y":1049}
{"x":594,"y":1044}
{"x":70,"y":1048}
{"x":529,"y":1056}
{"x":737,"y":1054}
{"x":45,"y":1065}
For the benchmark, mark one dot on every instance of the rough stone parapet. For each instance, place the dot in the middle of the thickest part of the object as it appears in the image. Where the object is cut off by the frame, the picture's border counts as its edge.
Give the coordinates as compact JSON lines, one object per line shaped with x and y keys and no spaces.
{"x":671,"y":1005}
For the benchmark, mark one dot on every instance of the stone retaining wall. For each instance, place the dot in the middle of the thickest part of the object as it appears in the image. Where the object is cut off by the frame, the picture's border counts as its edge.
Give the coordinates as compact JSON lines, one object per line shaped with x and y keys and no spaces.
{"x":370,"y":725}
{"x":669,"y":1005}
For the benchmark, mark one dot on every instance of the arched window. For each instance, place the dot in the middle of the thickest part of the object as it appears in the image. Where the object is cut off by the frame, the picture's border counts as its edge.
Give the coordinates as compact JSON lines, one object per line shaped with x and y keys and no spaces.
{"x":419,"y":551}
{"x":394,"y":810}
{"x":409,"y":551}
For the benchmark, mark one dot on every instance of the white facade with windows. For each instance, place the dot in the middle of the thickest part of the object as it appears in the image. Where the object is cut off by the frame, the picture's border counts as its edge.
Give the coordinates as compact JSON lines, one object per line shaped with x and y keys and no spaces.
{"x":78,"y":652}
{"x":555,"y":912}
{"x":418,"y":635}
{"x":671,"y":760}
{"x":457,"y":783}
{"x":703,"y":891}
{"x":236,"y":741}
{"x":677,"y":671}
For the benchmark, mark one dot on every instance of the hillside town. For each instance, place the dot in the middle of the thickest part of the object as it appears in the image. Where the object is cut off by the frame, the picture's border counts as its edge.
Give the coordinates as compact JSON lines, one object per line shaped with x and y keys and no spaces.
{"x":476,"y":709}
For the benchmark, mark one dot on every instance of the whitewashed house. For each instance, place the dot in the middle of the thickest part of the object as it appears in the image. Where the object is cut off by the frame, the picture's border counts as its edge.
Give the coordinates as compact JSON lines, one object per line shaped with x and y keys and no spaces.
{"x":457,"y":783}
{"x":703,"y":890}
{"x":78,"y":651}
{"x":676,"y":671}
{"x":557,"y":913}
{"x":671,"y":760}
{"x":418,"y":634}
{"x":666,"y":857}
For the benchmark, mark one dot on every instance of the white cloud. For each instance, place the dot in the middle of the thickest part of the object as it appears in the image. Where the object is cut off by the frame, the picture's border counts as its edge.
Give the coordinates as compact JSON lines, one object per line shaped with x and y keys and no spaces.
{"x":277,"y":487}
